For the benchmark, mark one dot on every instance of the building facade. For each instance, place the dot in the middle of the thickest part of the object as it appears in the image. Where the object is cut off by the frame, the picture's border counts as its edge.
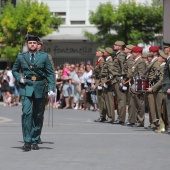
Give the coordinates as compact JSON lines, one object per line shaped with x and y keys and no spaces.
{"x":69,"y":43}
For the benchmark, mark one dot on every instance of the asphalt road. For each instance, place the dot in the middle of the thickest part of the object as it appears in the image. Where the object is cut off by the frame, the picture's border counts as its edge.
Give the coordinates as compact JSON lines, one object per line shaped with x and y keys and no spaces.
{"x":75,"y":142}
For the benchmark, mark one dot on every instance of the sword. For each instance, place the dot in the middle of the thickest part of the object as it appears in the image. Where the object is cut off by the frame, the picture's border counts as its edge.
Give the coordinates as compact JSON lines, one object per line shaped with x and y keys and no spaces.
{"x":52,"y":100}
{"x":50,"y":112}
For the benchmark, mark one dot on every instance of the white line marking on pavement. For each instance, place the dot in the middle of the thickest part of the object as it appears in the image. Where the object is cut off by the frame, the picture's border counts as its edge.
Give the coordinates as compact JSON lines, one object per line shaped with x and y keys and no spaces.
{"x":4,"y":119}
{"x":49,"y":133}
{"x":123,"y":133}
{"x":89,"y":121}
{"x":58,"y":124}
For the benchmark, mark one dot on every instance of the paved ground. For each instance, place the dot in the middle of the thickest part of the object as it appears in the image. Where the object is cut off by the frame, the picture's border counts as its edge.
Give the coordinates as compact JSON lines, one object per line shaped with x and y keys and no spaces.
{"x":75,"y":142}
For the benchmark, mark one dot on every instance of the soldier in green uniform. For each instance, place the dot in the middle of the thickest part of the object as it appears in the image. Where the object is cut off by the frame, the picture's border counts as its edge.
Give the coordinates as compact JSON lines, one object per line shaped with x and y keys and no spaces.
{"x":31,"y":69}
{"x":39,"y":48}
{"x":97,"y":76}
{"x":136,"y":104}
{"x":151,"y":75}
{"x":119,"y":72}
{"x":106,"y":82}
{"x":166,"y":89}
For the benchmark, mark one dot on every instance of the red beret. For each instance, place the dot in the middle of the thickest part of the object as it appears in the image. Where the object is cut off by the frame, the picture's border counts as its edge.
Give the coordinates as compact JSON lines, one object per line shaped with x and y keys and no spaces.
{"x":153,"y":48}
{"x":137,"y":49}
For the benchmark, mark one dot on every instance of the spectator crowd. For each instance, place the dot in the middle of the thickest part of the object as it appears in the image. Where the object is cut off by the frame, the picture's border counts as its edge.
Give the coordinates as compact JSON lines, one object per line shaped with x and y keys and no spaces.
{"x":9,"y":88}
{"x":75,"y":86}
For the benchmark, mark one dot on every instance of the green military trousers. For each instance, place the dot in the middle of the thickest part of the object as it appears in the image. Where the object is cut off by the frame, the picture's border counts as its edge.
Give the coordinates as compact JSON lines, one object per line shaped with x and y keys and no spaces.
{"x":32,"y":111}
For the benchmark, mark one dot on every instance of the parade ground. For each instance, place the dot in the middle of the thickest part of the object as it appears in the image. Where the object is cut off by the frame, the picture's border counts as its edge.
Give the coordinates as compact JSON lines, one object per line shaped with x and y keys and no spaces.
{"x":75,"y":142}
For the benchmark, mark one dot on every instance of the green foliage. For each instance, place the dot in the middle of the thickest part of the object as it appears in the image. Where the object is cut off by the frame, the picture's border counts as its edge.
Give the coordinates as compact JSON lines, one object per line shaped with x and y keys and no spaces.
{"x":130,"y":22}
{"x":27,"y":17}
{"x":103,"y":19}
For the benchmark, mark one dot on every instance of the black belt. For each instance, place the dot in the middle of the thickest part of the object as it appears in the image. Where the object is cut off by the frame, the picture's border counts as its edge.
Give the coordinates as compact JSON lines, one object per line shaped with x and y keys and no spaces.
{"x":34,"y":78}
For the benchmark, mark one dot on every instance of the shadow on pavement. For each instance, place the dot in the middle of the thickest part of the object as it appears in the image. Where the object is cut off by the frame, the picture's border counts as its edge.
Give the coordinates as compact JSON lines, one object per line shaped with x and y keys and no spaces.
{"x":42,"y":142}
{"x":47,"y":142}
{"x":20,"y":147}
{"x":144,"y":130}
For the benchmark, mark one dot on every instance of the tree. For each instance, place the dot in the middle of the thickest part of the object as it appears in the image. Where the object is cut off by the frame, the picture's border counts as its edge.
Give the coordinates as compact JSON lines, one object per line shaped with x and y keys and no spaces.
{"x":27,"y":17}
{"x":129,"y":22}
{"x":104,"y":20}
{"x":138,"y":23}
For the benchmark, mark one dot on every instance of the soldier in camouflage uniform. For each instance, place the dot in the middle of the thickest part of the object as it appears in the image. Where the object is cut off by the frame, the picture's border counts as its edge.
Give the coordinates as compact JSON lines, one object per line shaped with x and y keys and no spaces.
{"x":166,"y":49}
{"x":119,"y":72}
{"x":151,"y":75}
{"x":136,"y":105}
{"x":106,"y":82}
{"x":97,"y":76}
{"x":128,"y":66}
{"x":156,"y":89}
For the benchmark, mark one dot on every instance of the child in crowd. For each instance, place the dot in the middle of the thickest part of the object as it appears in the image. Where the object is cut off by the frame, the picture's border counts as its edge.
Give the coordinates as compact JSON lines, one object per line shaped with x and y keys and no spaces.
{"x":66,"y":71}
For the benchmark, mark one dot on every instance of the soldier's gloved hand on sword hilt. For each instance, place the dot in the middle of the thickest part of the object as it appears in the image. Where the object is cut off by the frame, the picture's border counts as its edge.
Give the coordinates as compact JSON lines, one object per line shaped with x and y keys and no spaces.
{"x":51,"y":94}
{"x":23,"y":80}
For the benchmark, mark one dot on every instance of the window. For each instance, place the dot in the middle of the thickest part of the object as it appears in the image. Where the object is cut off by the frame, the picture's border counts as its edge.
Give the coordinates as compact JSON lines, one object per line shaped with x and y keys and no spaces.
{"x":61,"y":14}
{"x":77,"y":22}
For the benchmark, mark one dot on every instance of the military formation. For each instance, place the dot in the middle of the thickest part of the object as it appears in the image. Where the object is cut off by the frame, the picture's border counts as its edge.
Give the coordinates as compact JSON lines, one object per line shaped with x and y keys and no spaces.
{"x":130,"y":83}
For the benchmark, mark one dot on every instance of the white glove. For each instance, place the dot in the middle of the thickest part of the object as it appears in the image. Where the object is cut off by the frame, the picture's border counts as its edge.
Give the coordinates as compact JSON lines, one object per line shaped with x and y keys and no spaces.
{"x":105,"y":85}
{"x":110,"y":77}
{"x":51,"y":94}
{"x":22,"y":80}
{"x":99,"y":87}
{"x":124,"y":88}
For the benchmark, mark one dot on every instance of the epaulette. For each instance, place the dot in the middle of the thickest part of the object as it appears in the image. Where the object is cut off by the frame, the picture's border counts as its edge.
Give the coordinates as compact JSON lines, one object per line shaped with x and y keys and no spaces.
{"x":122,"y":52}
{"x":22,"y":52}
{"x":42,"y":52}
